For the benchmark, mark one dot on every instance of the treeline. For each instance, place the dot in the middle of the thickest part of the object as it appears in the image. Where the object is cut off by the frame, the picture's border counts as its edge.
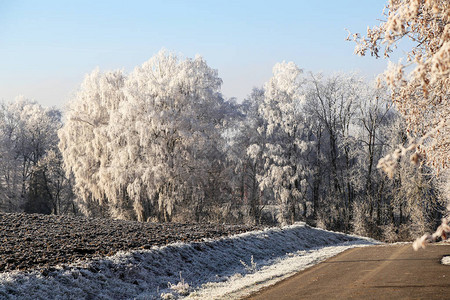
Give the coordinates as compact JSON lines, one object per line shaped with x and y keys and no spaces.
{"x":162,"y":144}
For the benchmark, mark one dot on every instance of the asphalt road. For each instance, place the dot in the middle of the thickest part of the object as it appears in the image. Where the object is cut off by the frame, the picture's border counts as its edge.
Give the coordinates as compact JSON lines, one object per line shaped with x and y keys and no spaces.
{"x":378,"y":272}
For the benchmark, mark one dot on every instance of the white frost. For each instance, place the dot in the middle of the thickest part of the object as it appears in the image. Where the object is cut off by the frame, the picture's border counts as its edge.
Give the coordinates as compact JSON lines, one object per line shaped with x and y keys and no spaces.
{"x":226,"y":268}
{"x":445,"y":260}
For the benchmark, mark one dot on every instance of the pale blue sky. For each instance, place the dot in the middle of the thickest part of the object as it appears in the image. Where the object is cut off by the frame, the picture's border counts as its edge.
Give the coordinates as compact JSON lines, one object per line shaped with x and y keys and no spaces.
{"x":46,"y":47}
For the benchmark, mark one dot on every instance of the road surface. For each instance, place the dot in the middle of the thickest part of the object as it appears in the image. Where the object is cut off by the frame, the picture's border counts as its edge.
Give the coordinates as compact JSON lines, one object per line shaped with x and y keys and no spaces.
{"x":378,"y":272}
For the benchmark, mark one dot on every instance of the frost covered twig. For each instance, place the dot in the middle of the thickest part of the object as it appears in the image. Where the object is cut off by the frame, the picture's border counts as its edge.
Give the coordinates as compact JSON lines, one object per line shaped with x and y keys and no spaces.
{"x":422,"y":96}
{"x":250,"y":268}
{"x":182,"y":288}
{"x":389,"y":163}
{"x":441,"y":232}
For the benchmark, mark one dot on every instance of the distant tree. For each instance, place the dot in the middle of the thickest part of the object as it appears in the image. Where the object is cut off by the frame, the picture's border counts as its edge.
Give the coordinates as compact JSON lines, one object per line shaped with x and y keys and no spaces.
{"x":28,"y":134}
{"x":53,"y":187}
{"x":247,"y":164}
{"x":373,"y":115}
{"x":284,"y":168}
{"x":332,"y":105}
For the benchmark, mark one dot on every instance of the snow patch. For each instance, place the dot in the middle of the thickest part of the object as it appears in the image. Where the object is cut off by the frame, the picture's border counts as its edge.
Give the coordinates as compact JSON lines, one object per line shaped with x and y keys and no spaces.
{"x":445,"y":260}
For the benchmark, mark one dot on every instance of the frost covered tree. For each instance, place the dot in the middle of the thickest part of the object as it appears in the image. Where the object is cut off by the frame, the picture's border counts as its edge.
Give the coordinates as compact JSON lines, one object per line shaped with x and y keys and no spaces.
{"x":332,"y":102}
{"x":247,"y":166}
{"x":28,"y":134}
{"x":373,"y":116}
{"x":139,"y":145}
{"x":284,"y":167}
{"x":387,"y":209}
{"x":85,"y":137}
{"x":413,"y":202}
{"x":174,"y":108}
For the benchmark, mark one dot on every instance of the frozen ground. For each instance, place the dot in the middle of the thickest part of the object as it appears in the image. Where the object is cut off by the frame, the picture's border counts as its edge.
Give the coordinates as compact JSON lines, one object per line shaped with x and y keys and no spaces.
{"x":228,"y":268}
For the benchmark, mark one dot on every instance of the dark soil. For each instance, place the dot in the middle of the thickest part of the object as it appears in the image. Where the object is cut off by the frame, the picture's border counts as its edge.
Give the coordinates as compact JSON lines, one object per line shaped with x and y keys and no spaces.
{"x":30,"y":241}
